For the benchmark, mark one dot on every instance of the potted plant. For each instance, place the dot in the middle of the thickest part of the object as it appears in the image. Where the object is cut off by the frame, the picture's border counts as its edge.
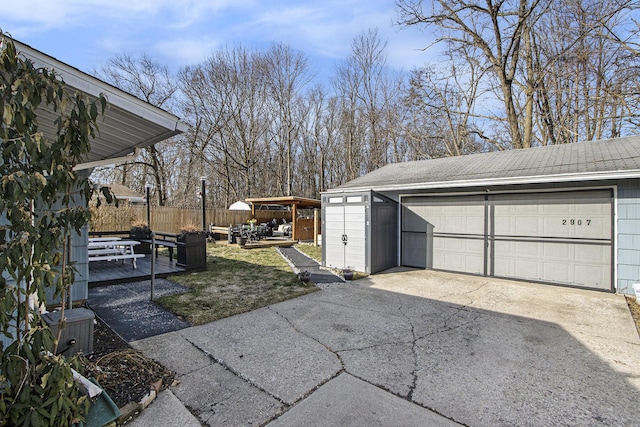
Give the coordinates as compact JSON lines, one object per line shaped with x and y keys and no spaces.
{"x":140,"y":231}
{"x":305,"y":276}
{"x":192,"y":248}
{"x":347,"y":273}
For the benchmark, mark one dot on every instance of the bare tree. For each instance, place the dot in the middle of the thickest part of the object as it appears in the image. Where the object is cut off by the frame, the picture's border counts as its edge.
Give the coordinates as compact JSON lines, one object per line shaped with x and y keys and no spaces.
{"x":557,"y":65}
{"x":495,"y":28}
{"x":366,"y":91}
{"x":153,"y":83}
{"x":447,"y":98}
{"x":288,"y":73}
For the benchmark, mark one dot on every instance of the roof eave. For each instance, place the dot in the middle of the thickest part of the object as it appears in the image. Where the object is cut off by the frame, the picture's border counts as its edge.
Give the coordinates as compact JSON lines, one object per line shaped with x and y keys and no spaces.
{"x":92,"y":86}
{"x":490,"y":182}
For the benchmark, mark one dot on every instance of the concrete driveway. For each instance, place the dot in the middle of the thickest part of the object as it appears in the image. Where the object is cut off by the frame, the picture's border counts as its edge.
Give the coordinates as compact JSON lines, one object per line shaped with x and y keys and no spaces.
{"x":409,"y":347}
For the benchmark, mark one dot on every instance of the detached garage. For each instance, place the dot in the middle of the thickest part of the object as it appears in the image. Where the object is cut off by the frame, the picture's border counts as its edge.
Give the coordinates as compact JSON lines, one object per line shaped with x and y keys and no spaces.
{"x":567,"y":214}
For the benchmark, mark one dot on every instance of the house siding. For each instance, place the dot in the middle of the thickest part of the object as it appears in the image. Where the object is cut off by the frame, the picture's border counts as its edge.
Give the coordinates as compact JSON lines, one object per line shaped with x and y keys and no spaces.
{"x":628,"y":225}
{"x":79,"y":255}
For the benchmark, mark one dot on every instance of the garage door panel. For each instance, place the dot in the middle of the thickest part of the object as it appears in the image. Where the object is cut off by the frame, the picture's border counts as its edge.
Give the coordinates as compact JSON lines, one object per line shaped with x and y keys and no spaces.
{"x":462,"y":255}
{"x":526,"y":268}
{"x":554,"y":262}
{"x":592,"y":276}
{"x":558,"y":251}
{"x":414,"y":250}
{"x":592,"y":253}
{"x":555,"y":272}
{"x":412,"y":221}
{"x":578,"y":214}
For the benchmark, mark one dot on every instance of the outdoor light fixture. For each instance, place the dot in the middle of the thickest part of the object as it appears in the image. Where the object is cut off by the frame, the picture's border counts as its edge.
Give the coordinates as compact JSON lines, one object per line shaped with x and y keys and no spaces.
{"x":147,"y":188}
{"x":203,"y":194}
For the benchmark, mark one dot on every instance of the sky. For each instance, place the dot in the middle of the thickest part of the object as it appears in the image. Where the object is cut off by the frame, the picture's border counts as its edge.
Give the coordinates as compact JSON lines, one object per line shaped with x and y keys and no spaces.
{"x":86,"y":33}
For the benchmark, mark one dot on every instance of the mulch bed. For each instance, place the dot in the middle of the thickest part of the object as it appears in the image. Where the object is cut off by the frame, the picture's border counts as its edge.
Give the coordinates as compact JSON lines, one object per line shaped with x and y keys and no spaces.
{"x":126,"y":374}
{"x":634,"y":308}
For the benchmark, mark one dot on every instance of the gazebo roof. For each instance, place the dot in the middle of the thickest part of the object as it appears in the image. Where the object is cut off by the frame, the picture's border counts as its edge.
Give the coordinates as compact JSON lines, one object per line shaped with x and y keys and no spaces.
{"x":299,"y":202}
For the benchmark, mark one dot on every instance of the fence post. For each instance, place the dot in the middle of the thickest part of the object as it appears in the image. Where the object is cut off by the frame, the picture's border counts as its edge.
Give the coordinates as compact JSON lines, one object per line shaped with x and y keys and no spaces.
{"x":153,"y":262}
{"x":203,"y":192}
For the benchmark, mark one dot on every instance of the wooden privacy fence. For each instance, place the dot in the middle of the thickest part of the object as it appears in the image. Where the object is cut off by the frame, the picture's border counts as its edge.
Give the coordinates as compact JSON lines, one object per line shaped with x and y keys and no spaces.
{"x":169,"y":219}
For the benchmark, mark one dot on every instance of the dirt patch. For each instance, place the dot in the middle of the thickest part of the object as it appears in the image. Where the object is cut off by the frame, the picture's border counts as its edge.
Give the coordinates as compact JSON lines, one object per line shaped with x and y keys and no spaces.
{"x":634,"y":308}
{"x":126,"y":374}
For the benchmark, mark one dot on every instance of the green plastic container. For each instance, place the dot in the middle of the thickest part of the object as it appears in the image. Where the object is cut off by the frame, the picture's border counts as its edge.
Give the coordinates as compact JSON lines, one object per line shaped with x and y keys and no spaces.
{"x":102,"y":411}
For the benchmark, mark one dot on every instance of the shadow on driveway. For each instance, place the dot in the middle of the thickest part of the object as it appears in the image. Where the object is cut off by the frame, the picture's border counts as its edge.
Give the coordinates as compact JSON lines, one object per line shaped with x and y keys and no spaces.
{"x":477,"y":351}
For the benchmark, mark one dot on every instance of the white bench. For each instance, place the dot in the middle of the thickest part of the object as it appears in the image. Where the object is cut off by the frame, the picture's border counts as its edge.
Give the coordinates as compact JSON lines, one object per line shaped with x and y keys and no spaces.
{"x":115,"y":249}
{"x":120,"y":257}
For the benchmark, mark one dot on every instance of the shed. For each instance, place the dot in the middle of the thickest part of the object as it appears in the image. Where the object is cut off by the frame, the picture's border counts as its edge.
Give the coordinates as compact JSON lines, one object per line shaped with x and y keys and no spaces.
{"x":359,"y":231}
{"x":564,"y":214}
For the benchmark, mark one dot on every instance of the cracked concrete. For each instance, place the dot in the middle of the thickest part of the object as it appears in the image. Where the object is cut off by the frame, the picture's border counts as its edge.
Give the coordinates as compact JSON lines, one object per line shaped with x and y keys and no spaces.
{"x":412,"y":348}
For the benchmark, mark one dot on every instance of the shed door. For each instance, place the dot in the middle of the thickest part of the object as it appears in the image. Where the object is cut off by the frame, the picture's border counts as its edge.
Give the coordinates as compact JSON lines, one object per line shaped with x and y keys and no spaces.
{"x":345,"y":237}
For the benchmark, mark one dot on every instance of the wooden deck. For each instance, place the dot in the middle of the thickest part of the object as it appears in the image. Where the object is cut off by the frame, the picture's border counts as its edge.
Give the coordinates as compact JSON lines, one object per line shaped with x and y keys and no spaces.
{"x":110,"y":272}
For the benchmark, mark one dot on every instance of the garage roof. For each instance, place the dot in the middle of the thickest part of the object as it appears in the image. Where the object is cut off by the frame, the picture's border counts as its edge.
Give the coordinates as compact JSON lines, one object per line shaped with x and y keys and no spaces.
{"x":129,"y":123}
{"x":596,"y":160}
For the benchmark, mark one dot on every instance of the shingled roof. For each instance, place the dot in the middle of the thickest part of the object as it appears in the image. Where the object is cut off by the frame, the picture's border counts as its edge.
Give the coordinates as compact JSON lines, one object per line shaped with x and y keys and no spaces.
{"x":605,"y":159}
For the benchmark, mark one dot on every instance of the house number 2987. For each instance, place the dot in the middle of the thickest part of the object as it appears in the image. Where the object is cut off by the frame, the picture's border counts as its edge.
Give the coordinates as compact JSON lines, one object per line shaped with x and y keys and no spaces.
{"x":576,"y":222}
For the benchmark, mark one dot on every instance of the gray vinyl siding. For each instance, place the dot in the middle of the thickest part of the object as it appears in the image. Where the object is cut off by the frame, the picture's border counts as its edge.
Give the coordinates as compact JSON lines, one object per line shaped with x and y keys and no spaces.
{"x":628,"y":235}
{"x":80,"y":288}
{"x":384,"y":233}
{"x":4,"y":341}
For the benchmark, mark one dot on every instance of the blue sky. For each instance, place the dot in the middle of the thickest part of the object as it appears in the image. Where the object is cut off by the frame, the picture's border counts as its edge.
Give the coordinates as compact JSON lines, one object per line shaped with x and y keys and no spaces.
{"x":85,"y":33}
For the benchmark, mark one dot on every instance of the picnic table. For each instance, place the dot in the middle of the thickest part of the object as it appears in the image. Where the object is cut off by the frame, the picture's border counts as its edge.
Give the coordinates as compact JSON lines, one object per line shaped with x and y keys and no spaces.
{"x":112,"y":249}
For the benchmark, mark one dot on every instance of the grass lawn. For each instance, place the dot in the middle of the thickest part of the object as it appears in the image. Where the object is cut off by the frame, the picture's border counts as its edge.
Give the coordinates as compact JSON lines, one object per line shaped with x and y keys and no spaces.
{"x":309,"y":250}
{"x":236,"y":281}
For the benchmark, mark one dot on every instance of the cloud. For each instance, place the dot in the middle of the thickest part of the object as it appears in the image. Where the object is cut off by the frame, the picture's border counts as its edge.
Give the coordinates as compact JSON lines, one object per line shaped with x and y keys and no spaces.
{"x":187,"y":51}
{"x":50,"y":14}
{"x":184,"y":32}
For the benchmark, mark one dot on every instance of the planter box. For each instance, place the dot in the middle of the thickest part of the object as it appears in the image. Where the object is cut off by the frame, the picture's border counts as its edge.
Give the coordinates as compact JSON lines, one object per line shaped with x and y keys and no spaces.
{"x":139,"y":233}
{"x":192,"y":251}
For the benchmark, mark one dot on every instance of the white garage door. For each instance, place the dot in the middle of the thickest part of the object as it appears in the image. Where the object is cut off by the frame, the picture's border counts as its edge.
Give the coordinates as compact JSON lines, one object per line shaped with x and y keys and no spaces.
{"x":562,"y":237}
{"x":555,"y":237}
{"x":449,"y":232}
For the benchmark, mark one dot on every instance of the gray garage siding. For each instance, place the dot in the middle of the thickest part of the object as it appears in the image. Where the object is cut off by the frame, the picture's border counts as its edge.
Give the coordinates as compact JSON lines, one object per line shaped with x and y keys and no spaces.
{"x":628,"y":234}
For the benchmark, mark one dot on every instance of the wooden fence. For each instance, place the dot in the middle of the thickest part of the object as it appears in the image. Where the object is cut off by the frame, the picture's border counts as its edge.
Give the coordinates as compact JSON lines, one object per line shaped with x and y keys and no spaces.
{"x":171,"y":220}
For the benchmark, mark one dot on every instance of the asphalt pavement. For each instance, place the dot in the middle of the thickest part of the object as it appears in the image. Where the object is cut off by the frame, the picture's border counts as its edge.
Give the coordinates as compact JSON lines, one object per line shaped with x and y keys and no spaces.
{"x":408,"y":347}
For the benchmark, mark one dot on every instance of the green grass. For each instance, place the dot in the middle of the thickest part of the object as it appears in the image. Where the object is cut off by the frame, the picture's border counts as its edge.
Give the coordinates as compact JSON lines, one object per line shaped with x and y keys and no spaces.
{"x":236,"y":281}
{"x":315,"y":252}
{"x":308,"y":249}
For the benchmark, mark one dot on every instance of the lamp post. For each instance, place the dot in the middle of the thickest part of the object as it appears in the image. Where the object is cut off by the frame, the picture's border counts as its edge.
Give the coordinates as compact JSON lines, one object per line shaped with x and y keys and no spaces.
{"x":147,"y":188}
{"x":203,"y":194}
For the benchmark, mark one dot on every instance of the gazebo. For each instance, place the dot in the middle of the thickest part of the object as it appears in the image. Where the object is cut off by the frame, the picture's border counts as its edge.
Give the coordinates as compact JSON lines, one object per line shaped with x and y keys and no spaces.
{"x":301,"y":228}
